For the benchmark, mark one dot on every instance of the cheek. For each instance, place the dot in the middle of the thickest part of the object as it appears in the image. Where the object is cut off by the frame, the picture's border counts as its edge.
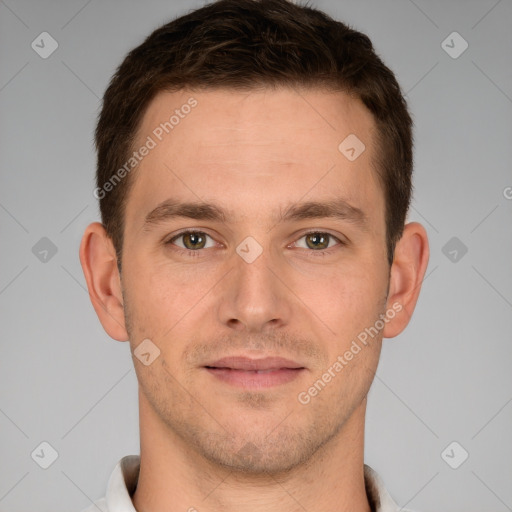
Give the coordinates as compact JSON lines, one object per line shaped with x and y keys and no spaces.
{"x":351,"y":310}
{"x":163,"y":296}
{"x":353,"y":298}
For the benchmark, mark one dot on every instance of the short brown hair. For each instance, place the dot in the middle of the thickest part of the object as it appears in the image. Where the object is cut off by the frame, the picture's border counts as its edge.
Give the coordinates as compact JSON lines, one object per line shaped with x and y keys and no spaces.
{"x":245,"y":44}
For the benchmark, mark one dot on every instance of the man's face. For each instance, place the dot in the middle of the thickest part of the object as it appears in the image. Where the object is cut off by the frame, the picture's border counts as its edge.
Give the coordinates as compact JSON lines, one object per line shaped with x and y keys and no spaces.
{"x":208,"y":296}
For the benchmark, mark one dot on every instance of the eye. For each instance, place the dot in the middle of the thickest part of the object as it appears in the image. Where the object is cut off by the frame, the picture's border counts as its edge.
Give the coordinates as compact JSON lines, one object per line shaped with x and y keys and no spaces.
{"x":192,"y":240}
{"x":318,"y":240}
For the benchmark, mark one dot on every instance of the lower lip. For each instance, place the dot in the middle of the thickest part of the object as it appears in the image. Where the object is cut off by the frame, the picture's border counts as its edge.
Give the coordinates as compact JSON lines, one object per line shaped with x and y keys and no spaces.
{"x":251,"y":379}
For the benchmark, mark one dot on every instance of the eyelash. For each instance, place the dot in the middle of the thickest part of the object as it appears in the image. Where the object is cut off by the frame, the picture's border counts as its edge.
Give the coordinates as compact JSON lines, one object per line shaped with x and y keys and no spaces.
{"x":197,"y":253}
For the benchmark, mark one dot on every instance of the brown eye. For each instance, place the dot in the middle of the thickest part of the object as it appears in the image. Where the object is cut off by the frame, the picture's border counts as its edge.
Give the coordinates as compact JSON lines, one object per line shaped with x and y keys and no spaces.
{"x":194,"y":240}
{"x":191,"y":240}
{"x":317,"y":240}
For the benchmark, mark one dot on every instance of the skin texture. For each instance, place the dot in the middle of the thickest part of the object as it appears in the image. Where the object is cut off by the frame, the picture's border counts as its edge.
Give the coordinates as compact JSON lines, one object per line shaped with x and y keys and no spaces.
{"x":205,"y":443}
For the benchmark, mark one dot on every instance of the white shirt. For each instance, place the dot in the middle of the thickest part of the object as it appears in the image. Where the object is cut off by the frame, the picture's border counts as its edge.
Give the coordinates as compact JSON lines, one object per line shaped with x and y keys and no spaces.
{"x":123,"y":481}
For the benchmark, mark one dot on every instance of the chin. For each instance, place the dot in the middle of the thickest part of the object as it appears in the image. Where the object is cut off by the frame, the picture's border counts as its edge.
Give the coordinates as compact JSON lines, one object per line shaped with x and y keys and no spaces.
{"x":257,"y":452}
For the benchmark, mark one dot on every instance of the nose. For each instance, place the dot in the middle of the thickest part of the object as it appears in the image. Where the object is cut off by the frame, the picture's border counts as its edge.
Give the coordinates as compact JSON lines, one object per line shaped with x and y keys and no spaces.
{"x":253,"y":298}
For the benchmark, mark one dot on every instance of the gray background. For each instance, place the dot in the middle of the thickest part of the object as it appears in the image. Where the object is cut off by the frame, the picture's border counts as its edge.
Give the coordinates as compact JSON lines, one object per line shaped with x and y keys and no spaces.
{"x":446,"y":378}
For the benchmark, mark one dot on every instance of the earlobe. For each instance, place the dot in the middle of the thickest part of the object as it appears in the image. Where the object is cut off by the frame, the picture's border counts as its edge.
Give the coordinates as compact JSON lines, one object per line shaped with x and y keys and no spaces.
{"x":99,"y":264}
{"x":407,"y":273}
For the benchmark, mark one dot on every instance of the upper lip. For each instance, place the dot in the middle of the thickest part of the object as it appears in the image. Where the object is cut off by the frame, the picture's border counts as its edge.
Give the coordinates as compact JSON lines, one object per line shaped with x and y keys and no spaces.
{"x":247,"y":363}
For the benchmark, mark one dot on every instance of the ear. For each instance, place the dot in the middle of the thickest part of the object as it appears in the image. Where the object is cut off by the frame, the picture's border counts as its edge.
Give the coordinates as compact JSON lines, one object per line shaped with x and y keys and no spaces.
{"x":407,"y":271}
{"x":99,"y":264}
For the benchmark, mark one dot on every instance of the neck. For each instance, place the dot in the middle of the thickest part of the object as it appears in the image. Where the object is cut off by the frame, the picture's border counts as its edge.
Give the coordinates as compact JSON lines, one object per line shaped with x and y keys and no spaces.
{"x":174,"y":477}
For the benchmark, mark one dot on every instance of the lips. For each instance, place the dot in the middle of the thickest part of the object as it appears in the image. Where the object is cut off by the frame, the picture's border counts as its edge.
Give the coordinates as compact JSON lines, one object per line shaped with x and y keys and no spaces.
{"x":266,"y":364}
{"x":255,"y":373}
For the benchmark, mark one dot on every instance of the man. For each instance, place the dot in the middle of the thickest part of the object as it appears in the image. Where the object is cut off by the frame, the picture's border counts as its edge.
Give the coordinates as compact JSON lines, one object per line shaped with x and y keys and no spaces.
{"x":254,"y":176}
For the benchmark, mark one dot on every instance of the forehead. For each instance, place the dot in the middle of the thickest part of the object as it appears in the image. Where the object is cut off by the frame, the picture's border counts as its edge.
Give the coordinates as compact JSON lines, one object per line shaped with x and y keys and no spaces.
{"x":256,"y":149}
{"x":224,"y":115}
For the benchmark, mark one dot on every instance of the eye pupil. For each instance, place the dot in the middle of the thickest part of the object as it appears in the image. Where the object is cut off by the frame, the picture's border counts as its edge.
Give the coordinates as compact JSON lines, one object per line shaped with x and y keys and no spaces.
{"x":193,"y":240}
{"x":318,"y":240}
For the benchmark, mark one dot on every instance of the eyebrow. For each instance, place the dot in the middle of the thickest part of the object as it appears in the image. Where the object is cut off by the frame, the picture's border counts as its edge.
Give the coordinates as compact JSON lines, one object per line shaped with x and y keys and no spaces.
{"x":336,"y":208}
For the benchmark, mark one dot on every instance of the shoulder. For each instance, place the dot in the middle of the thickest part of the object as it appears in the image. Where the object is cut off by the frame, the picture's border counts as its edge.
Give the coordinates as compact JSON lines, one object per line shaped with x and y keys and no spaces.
{"x":97,"y":506}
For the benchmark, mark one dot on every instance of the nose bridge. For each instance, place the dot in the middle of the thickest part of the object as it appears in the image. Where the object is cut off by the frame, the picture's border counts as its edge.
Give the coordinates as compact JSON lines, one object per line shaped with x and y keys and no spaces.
{"x":253,"y":298}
